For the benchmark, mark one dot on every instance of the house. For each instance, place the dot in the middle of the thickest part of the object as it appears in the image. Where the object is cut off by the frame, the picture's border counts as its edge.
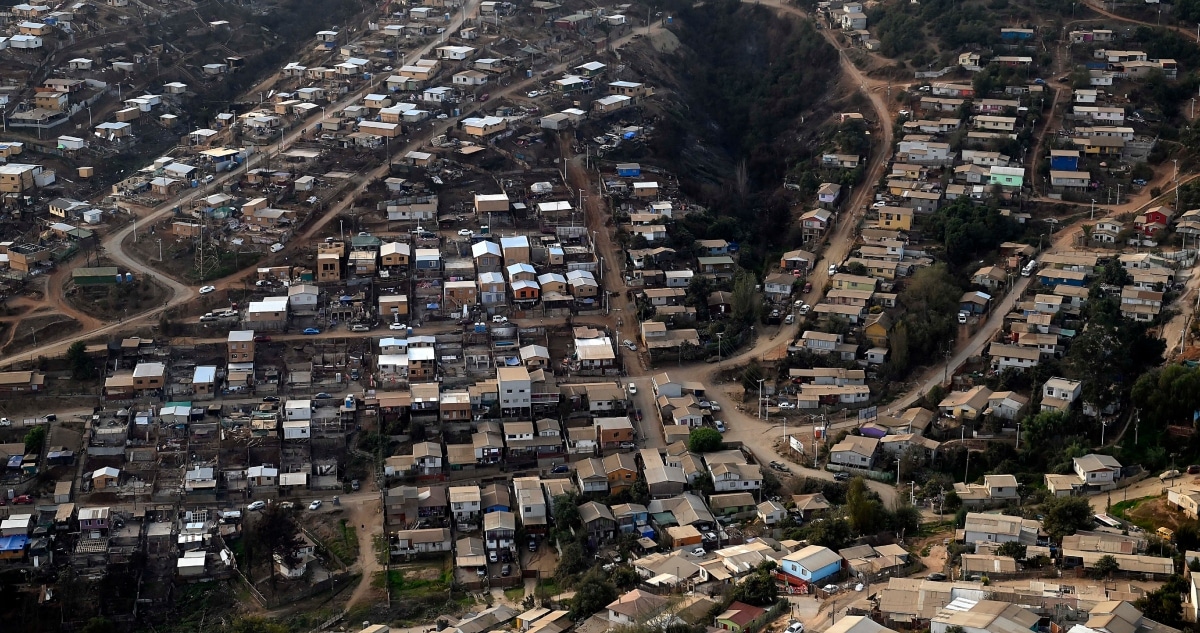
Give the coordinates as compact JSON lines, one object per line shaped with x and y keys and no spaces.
{"x":740,"y":616}
{"x":1070,"y":179}
{"x":967,"y":405}
{"x":1007,"y":177}
{"x":499,"y":529}
{"x":990,"y":277}
{"x":635,"y":608}
{"x":729,"y":477}
{"x":810,"y":565}
{"x":1058,"y":394}
{"x":1013,"y":356}
{"x":809,"y":505}
{"x":814,"y":224}
{"x":895,"y":218}
{"x":621,"y":471}
{"x":421,"y":541}
{"x":465,"y":503}
{"x":799,"y":260}
{"x":999,"y":528}
{"x":856,"y":451}
{"x":778,"y":286}
{"x":1097,"y":472}
{"x":828,"y":194}
{"x":598,"y":522}
{"x":771,"y":512}
{"x":732,"y":504}
{"x":591,"y":476}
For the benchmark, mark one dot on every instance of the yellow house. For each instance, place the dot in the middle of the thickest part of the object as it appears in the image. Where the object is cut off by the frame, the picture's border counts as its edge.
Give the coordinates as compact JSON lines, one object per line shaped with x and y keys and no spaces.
{"x":895,"y":218}
{"x":877,"y":328}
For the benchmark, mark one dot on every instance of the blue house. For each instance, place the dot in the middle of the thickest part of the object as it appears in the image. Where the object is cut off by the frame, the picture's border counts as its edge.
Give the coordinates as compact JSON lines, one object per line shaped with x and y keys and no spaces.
{"x":629,"y":170}
{"x":1064,"y":160}
{"x":1051,"y":277}
{"x":495,"y":498}
{"x":810,"y":565}
{"x":1016,"y":34}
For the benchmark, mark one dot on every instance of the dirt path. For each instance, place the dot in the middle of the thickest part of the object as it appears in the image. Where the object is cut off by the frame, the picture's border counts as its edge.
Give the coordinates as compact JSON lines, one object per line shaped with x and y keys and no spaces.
{"x":367,"y":515}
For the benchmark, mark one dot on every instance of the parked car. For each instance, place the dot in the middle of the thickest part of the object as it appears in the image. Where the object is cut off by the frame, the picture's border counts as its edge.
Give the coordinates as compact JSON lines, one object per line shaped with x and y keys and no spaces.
{"x":506,"y":570}
{"x":359,"y":327}
{"x":637,"y":413}
{"x":795,"y":627}
{"x":699,"y":551}
{"x":1193,"y":469}
{"x":270,"y":398}
{"x":315,"y":505}
{"x":466,"y":232}
{"x":262,"y":338}
{"x":962,"y":318}
{"x":311,"y":330}
{"x":22,"y":500}
{"x":630,"y":345}
{"x":499,"y":318}
{"x":533,"y":545}
{"x":1170,"y":474}
{"x":720,"y":426}
{"x":492,"y":557}
{"x":322,"y":396}
{"x":287,"y":505}
{"x":257,"y":505}
{"x":936,"y":576}
{"x":628,"y":445}
{"x":833,"y":269}
{"x":207,"y":289}
{"x":789,"y":319}
{"x":804,"y":309}
{"x":561,"y":468}
{"x":397,"y":326}
{"x":842,"y":476}
{"x":354,"y":485}
{"x":632,"y":389}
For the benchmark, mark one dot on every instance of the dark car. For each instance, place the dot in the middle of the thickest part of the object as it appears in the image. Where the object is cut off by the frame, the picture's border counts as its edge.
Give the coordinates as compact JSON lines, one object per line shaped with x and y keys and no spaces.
{"x":506,"y":570}
{"x":262,"y":338}
{"x":270,"y":398}
{"x":936,"y":576}
{"x":561,"y":468}
{"x":841,"y":477}
{"x":1193,"y":469}
{"x":533,"y":545}
{"x":354,"y":485}
{"x":323,"y":396}
{"x":637,"y":413}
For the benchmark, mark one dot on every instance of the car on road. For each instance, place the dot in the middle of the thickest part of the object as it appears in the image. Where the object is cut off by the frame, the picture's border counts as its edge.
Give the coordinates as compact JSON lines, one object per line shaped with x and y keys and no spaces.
{"x":1170,"y":474}
{"x":20,"y":500}
{"x":720,"y":426}
{"x":804,"y":309}
{"x":322,"y":396}
{"x":630,"y":345}
{"x":484,"y":97}
{"x":561,"y":468}
{"x":270,"y":398}
{"x":286,"y":505}
{"x":807,"y":287}
{"x":637,"y":414}
{"x":257,"y":505}
{"x":699,"y":551}
{"x":207,"y":289}
{"x":830,"y":588}
{"x":397,"y":326}
{"x":795,"y":627}
{"x":5,"y":422}
{"x":833,"y":269}
{"x":842,"y":476}
{"x":936,"y":576}
{"x":499,"y":318}
{"x":315,"y":505}
{"x":359,"y":327}
{"x":533,"y":545}
{"x":276,"y":247}
{"x":786,"y":404}
{"x":466,"y":232}
{"x":789,"y":319}
{"x":1193,"y":469}
{"x":354,"y":485}
{"x":311,"y":330}
{"x":632,"y":389}
{"x":628,"y":445}
{"x":962,"y":318}
{"x":262,"y":338}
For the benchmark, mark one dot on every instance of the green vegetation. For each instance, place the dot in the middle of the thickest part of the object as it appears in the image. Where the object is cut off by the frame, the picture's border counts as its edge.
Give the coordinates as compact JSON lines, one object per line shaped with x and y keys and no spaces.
{"x":345,"y":545}
{"x":35,"y":439}
{"x":82,"y":367}
{"x":930,"y":303}
{"x":967,"y":230}
{"x":704,"y":440}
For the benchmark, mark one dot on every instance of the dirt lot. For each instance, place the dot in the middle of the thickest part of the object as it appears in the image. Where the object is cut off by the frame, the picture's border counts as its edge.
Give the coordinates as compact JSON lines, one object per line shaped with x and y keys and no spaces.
{"x":38,"y":329}
{"x":1150,"y":513}
{"x":110,"y":303}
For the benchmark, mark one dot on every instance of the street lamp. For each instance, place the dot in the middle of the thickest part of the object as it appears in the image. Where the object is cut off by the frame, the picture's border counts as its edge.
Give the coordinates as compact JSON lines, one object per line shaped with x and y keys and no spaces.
{"x":1093,"y":215}
{"x":760,"y":399}
{"x":719,"y":336}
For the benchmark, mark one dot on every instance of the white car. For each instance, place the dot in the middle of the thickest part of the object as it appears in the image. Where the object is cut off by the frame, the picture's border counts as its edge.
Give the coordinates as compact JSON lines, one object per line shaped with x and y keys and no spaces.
{"x":786,"y":405}
{"x":833,"y":269}
{"x":207,"y":289}
{"x":276,"y":247}
{"x":804,"y":308}
{"x":630,"y":345}
{"x":632,"y":389}
{"x":795,"y":627}
{"x":499,"y":318}
{"x":257,"y":505}
{"x":315,"y":505}
{"x":533,"y":94}
{"x":699,"y":551}
{"x":397,"y":326}
{"x":466,"y":232}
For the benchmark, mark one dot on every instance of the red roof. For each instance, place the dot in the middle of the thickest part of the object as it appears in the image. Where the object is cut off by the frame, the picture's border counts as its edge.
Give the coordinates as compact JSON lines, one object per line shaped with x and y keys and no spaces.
{"x":742,"y":614}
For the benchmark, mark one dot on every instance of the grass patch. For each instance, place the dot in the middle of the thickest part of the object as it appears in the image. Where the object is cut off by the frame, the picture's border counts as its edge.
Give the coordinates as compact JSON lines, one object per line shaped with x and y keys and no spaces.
{"x":516,"y":594}
{"x":548,"y":587}
{"x":344,"y":543}
{"x":1121,"y":508}
{"x":416,"y":583}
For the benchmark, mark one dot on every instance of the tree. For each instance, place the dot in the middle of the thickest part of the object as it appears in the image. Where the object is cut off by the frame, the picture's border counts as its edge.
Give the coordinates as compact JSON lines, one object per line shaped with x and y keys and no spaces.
{"x":703,"y":483}
{"x":1065,"y":515}
{"x":81,"y":366}
{"x":1165,"y":604}
{"x":99,"y":625}
{"x":1105,"y":566}
{"x":833,"y":533}
{"x":744,"y":301}
{"x":750,"y":376}
{"x":704,"y":440}
{"x":593,"y":594}
{"x":862,"y":510}
{"x":1012,"y":549}
{"x":566,"y":512}
{"x":758,"y":588}
{"x":572,"y":561}
{"x":906,"y":519}
{"x":277,"y":533}
{"x":34,"y":440}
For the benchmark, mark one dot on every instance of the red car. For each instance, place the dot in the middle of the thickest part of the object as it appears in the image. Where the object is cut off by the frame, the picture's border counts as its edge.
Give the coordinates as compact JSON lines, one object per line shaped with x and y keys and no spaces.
{"x":262,"y":338}
{"x":22,"y":499}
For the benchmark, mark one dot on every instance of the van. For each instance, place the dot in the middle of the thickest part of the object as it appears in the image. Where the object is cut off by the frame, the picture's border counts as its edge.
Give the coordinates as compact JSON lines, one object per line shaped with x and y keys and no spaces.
{"x":1030,"y":266}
